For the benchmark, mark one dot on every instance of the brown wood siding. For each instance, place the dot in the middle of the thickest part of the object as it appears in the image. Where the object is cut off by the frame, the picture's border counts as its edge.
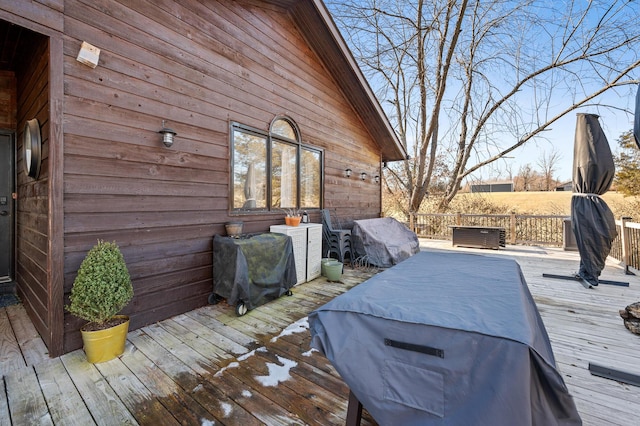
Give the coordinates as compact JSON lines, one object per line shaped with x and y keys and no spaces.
{"x":198,"y":65}
{"x":56,"y":198}
{"x":42,"y":16}
{"x":8,"y":104}
{"x":33,"y":195}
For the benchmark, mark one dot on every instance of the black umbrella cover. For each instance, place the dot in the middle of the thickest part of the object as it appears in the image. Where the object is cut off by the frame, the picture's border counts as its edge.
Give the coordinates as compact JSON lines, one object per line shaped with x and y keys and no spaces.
{"x":592,"y":220}
{"x":636,"y":121}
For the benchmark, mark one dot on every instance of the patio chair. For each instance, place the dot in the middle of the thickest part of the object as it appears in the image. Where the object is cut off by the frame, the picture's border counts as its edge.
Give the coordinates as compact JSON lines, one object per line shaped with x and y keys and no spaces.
{"x":335,"y":241}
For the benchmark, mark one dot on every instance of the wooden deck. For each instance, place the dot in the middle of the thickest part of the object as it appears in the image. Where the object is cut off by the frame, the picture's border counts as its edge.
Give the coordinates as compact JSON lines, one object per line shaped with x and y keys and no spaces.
{"x":209,"y":367}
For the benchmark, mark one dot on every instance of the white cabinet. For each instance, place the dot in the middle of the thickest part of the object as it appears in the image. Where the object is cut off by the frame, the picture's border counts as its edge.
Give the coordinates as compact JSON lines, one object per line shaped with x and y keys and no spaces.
{"x":307,"y":248}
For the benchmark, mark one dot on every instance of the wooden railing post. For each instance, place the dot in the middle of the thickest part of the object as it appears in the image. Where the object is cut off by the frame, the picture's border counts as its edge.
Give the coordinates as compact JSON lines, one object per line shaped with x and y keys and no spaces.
{"x":458,"y":218}
{"x":624,"y":240}
{"x":513,"y":228}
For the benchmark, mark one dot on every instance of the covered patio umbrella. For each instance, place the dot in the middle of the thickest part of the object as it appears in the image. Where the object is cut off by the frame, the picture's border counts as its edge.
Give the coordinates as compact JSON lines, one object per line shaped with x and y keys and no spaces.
{"x":636,"y":122}
{"x":591,"y":218}
{"x":250,"y":188}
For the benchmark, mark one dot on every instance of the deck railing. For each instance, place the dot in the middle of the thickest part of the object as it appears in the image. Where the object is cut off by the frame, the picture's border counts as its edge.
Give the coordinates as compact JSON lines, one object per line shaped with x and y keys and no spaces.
{"x":550,"y":230}
{"x":626,"y":246}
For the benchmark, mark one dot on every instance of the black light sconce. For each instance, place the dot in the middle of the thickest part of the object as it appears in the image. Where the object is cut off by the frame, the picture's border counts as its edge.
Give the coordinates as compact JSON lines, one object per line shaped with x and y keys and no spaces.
{"x":347,"y":172}
{"x":363,"y":176}
{"x":167,"y":135}
{"x":376,"y":178}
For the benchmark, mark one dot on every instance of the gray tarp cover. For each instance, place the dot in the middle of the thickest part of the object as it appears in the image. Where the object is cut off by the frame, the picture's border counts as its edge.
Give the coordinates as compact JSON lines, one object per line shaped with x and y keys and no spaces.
{"x":591,"y":218}
{"x":497,"y":366}
{"x":385,"y":241}
{"x":254,"y":270}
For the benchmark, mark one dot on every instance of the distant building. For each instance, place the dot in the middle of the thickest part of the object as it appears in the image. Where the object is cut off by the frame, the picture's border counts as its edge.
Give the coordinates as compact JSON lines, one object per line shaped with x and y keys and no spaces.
{"x":566,"y":186}
{"x":492,"y":187}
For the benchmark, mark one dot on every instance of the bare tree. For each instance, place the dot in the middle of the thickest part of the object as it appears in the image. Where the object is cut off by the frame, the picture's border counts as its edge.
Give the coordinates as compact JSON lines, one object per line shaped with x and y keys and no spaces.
{"x":468,"y":82}
{"x":548,"y":163}
{"x":526,"y":178}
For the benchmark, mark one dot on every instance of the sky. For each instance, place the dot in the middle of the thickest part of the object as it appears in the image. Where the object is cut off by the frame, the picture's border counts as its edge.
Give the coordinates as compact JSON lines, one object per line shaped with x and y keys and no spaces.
{"x":561,"y":136}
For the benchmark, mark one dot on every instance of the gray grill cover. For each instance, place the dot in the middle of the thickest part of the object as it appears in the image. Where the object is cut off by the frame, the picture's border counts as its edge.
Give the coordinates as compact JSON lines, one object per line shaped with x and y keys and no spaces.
{"x":254,"y":270}
{"x":385,"y":241}
{"x":497,"y":366}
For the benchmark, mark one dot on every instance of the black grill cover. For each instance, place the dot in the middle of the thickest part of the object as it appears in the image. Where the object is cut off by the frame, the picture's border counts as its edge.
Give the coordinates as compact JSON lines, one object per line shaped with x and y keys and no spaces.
{"x":254,"y":270}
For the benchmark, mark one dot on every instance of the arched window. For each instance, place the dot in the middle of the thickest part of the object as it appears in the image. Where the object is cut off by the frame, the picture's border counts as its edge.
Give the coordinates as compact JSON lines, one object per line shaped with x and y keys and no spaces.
{"x":283,"y":127}
{"x":274,"y":171}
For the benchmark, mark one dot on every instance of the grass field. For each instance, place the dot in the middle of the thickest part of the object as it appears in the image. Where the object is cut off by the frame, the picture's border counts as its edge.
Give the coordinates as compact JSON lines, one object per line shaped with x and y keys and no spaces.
{"x":554,"y":202}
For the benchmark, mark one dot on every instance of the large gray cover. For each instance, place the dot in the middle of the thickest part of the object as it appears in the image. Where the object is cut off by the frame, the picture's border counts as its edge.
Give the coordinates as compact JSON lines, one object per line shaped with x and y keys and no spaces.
{"x":591,"y":218}
{"x":497,"y":366}
{"x":384,"y":241}
{"x":254,"y":270}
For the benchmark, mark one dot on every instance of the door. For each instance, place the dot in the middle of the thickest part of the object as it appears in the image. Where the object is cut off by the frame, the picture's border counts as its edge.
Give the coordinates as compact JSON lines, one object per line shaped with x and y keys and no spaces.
{"x":7,"y":214}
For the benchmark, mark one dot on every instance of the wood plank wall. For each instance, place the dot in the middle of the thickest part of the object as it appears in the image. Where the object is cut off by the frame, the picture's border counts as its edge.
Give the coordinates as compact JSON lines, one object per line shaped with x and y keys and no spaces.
{"x":199,"y":65}
{"x":33,"y":197}
{"x":8,"y":104}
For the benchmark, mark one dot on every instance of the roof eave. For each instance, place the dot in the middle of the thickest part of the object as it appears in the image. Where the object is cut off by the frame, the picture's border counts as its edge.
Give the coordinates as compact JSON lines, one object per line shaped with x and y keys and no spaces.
{"x":318,"y":28}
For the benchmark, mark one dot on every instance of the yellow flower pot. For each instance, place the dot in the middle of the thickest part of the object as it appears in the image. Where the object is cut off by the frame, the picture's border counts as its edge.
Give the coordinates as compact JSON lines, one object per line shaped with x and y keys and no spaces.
{"x":105,"y":345}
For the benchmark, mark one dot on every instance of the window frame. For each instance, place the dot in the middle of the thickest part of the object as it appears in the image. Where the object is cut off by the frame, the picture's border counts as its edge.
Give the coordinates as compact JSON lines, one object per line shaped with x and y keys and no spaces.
{"x":270,"y":137}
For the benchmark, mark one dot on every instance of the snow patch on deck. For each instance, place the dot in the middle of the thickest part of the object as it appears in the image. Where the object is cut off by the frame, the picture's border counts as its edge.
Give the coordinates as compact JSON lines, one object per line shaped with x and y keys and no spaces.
{"x":226,"y":408}
{"x":299,"y":326}
{"x":310,"y":352}
{"x":277,"y":373}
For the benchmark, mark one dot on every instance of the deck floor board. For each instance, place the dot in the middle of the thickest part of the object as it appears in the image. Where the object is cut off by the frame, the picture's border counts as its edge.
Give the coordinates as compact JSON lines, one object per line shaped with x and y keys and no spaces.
{"x":64,"y":402}
{"x":209,"y":366}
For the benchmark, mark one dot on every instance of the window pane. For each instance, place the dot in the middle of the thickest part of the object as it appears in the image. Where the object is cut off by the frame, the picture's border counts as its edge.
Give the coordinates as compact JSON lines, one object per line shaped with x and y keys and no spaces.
{"x":283,"y":176}
{"x":249,"y":171}
{"x":283,"y":128}
{"x":310,"y":179}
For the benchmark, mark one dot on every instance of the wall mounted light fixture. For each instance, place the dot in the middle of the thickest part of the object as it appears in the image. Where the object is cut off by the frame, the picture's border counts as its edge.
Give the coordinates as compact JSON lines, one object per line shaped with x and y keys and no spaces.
{"x":363,"y":176}
{"x":167,"y":135}
{"x":376,"y":178}
{"x":347,"y":172}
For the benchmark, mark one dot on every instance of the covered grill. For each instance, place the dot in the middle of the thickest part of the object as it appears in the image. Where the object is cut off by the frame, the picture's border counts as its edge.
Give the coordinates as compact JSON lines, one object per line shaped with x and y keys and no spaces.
{"x":251,"y":271}
{"x":445,"y":338}
{"x":384,"y":241}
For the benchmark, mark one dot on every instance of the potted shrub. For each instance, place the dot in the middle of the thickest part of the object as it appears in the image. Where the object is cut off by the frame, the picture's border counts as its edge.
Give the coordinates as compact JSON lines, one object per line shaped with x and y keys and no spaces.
{"x":100,"y":290}
{"x":234,"y":229}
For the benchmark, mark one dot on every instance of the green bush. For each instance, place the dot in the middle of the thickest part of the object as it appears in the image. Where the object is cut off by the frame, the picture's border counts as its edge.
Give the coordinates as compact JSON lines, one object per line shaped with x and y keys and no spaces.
{"x":103,"y":285}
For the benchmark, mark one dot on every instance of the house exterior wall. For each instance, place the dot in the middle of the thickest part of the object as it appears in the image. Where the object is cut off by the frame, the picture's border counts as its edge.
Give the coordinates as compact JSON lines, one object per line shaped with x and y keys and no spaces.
{"x":8,"y":102}
{"x":33,"y":195}
{"x":199,"y":65}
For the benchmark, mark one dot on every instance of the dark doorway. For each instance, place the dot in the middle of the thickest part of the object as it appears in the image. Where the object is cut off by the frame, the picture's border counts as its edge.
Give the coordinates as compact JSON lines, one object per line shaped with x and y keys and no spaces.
{"x":7,"y":212}
{"x":12,"y":38}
